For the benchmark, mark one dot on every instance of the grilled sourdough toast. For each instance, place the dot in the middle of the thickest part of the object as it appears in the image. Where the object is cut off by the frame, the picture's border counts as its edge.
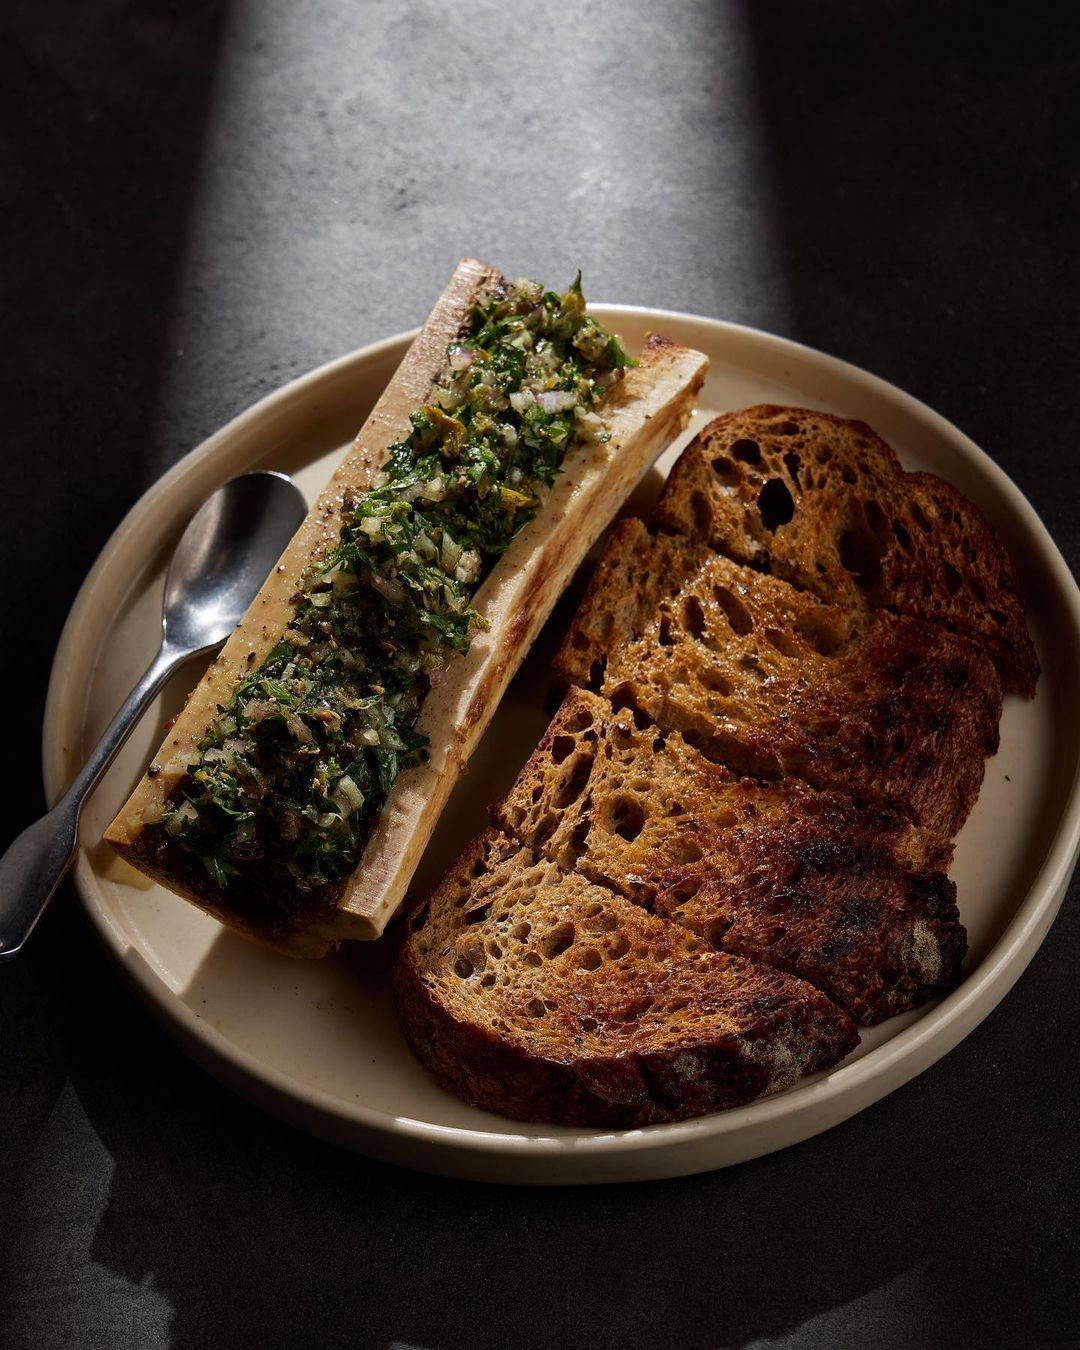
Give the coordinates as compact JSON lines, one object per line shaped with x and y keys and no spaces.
{"x":295,"y":793}
{"x":823,"y":503}
{"x":865,"y":731}
{"x":534,"y":993}
{"x":773,"y":683}
{"x":809,"y":882}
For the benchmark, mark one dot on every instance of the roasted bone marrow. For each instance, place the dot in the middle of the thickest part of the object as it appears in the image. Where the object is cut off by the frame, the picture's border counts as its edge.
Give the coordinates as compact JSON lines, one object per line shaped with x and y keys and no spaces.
{"x":286,"y":785}
{"x":272,"y":802}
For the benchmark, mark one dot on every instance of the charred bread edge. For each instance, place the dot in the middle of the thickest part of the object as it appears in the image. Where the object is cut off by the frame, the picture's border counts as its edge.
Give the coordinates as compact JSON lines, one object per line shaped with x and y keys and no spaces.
{"x":652,"y":406}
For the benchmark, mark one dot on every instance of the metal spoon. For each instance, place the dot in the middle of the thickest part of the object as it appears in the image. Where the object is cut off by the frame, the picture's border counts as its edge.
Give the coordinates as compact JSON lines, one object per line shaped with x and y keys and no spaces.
{"x":225,"y":554}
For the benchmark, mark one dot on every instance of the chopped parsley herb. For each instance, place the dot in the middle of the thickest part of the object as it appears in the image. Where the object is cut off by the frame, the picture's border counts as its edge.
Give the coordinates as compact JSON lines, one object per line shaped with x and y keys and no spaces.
{"x":288,"y":781}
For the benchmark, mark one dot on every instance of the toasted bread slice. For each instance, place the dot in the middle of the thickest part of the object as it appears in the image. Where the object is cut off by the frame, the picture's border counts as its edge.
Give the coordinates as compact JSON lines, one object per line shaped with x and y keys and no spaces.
{"x":621,"y":598}
{"x":824,"y":503}
{"x":773,"y":683}
{"x":538,"y":995}
{"x":645,"y":411}
{"x":807,"y":881}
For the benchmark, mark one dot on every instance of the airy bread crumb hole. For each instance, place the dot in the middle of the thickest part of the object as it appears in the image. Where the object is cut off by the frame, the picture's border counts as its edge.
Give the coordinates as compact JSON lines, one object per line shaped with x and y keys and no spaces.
{"x":686,"y":850}
{"x":684,"y":891}
{"x":736,"y":613}
{"x":776,"y":506}
{"x":562,"y":747}
{"x":573,"y":784}
{"x":715,"y":933}
{"x":693,"y":616}
{"x":558,"y":940}
{"x":781,"y":641}
{"x":577,"y":843}
{"x":727,"y":472}
{"x":716,"y":682}
{"x":821,"y":634}
{"x":626,"y":817}
{"x":746,"y":450}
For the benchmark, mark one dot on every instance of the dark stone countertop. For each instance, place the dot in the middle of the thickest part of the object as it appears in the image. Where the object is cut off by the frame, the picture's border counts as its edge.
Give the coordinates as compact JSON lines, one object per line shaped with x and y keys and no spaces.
{"x":205,"y":199}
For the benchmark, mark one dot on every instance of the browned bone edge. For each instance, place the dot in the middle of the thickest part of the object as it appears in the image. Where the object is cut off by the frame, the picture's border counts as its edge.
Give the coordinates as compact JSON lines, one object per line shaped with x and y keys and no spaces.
{"x":653,"y":405}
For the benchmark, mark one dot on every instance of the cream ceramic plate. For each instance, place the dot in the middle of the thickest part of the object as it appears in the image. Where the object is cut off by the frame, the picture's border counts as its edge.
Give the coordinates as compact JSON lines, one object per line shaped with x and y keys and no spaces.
{"x":317,"y":1044}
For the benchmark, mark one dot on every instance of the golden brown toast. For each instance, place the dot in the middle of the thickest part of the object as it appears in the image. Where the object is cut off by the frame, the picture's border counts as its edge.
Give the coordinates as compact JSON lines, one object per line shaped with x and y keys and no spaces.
{"x":533,"y":993}
{"x":859,"y":685}
{"x":771,"y":682}
{"x":824,"y":503}
{"x":621,"y":597}
{"x":806,"y":881}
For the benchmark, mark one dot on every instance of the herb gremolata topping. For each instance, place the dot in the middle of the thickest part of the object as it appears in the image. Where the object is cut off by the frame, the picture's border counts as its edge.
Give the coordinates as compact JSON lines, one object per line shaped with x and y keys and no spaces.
{"x":287,"y":782}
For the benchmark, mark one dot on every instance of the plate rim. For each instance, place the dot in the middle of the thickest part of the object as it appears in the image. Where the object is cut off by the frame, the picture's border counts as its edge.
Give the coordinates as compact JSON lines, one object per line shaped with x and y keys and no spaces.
{"x":938,"y":1028}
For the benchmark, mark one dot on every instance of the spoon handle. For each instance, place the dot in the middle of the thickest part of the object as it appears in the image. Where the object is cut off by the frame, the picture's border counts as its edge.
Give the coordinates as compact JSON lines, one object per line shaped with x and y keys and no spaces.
{"x":35,"y":863}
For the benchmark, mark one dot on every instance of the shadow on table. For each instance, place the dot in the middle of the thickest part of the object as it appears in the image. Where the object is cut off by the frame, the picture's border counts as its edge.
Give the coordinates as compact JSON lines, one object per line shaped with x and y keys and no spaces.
{"x":927,"y":208}
{"x":105,"y":108}
{"x":256,"y":1235}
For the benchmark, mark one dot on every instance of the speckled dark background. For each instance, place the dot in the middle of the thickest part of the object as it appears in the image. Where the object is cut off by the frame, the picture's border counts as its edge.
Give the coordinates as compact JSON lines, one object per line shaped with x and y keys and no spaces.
{"x":201,"y":200}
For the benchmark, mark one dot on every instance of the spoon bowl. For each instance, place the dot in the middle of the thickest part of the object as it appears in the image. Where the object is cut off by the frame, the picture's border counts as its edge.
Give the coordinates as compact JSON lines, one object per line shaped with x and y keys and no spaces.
{"x":226,"y":552}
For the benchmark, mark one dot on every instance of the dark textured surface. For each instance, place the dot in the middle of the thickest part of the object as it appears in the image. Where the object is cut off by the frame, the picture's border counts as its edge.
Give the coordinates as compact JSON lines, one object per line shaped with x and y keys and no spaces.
{"x":204,"y":199}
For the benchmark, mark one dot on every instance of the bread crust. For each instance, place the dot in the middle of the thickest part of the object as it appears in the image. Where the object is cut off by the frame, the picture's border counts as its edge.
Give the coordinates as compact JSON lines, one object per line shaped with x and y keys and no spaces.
{"x":544,"y":998}
{"x":773,"y":683}
{"x":824,"y":503}
{"x":651,"y":406}
{"x":810,"y":882}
